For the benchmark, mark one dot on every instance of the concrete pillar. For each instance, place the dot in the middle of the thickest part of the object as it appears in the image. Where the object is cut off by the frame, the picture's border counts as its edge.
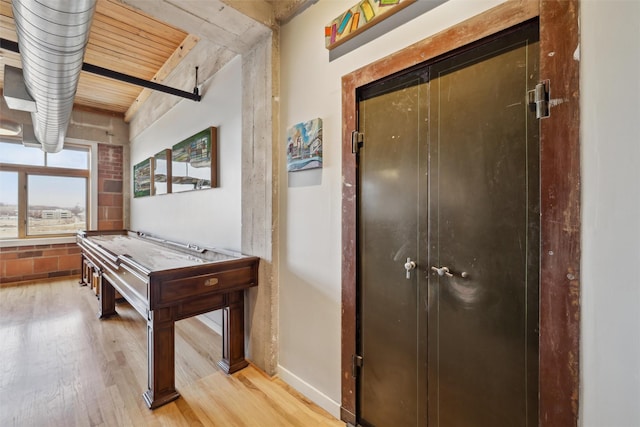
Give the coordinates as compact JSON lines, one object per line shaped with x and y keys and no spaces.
{"x":260,"y":187}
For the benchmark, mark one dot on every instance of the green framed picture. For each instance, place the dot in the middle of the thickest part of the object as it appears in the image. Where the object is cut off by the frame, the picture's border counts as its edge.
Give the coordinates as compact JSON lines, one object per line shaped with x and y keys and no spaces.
{"x":194,"y":164}
{"x":142,"y":178}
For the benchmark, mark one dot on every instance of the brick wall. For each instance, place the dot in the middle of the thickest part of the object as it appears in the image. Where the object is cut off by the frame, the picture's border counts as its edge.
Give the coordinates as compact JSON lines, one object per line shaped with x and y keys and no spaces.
{"x":110,"y":187}
{"x":23,"y":263}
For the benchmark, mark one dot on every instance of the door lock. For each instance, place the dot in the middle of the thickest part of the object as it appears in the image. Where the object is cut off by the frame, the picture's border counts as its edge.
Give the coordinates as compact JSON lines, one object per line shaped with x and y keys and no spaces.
{"x":442,"y":271}
{"x":409,"y":265}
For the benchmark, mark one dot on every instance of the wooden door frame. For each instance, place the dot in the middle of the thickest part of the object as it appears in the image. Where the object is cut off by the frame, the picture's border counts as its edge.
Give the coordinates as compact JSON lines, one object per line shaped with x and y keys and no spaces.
{"x":559,"y":189}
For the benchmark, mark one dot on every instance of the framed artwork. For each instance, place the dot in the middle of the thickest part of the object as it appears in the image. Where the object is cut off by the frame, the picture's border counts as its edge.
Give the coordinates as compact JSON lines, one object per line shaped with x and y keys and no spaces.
{"x":194,"y":162}
{"x":142,"y":178}
{"x":161,"y":178}
{"x":360,"y":17}
{"x":304,"y":146}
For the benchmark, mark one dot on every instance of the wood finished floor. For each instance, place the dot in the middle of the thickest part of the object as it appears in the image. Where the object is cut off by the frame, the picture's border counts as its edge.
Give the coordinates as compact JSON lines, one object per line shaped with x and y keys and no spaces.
{"x":61,"y":366}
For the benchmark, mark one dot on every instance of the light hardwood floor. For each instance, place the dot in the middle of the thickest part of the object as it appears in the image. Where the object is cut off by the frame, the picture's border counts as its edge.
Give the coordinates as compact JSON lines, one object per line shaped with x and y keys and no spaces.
{"x":61,"y":366}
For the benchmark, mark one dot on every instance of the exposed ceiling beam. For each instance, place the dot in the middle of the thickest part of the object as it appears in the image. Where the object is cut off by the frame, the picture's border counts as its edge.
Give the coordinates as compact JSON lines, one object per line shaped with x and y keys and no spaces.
{"x":212,"y":19}
{"x":258,"y":10}
{"x":101,"y":71}
{"x":285,"y":10}
{"x":144,"y":38}
{"x":270,"y":12}
{"x":178,"y":55}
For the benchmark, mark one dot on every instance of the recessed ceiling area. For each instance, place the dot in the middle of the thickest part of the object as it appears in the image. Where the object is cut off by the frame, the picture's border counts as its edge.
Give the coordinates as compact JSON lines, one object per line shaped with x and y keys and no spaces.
{"x":147,"y":40}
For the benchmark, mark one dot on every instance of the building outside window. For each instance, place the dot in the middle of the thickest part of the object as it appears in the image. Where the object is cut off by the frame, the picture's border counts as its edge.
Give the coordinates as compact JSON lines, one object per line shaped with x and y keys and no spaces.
{"x":43,"y":194}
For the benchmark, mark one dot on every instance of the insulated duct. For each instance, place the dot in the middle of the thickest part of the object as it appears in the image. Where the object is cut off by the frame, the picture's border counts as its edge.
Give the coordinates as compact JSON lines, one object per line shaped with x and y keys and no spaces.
{"x":52,"y":39}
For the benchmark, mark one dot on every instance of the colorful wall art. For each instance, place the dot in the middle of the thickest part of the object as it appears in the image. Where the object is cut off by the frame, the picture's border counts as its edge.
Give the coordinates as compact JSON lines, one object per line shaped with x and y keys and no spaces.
{"x":304,"y":146}
{"x":360,"y":17}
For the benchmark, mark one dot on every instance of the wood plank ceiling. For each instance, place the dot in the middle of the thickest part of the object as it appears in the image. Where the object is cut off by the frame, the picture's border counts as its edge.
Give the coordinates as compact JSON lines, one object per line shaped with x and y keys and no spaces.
{"x":121,"y":39}
{"x":128,"y":41}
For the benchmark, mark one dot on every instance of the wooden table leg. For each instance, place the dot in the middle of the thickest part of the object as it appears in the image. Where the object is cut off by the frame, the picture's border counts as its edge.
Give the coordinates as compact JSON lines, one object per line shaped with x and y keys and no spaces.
{"x":107,"y":296}
{"x":83,"y":270}
{"x":233,"y":334}
{"x":161,"y":359}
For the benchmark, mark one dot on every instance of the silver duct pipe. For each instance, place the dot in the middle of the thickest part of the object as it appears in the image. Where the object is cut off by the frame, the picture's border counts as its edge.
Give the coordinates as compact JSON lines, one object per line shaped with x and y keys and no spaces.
{"x":52,"y":35}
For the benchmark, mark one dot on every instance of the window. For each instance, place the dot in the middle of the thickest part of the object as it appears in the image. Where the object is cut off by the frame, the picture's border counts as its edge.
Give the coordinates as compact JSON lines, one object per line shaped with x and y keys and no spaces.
{"x":8,"y":205}
{"x":43,"y":194}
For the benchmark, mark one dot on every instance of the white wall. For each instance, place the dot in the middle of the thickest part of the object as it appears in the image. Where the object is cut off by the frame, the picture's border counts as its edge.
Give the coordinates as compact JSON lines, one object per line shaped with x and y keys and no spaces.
{"x":208,"y":217}
{"x":310,"y":206}
{"x":610,"y":129}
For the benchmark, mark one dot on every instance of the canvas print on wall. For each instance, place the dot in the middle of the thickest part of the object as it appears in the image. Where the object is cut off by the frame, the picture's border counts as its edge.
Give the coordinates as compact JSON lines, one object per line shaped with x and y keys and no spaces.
{"x":162,"y":172}
{"x":304,"y":146}
{"x":142,"y":178}
{"x":360,"y":17}
{"x":194,"y":164}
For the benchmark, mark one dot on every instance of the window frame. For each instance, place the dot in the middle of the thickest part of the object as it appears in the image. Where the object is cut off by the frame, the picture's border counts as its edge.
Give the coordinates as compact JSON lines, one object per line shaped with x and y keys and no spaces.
{"x":24,"y":171}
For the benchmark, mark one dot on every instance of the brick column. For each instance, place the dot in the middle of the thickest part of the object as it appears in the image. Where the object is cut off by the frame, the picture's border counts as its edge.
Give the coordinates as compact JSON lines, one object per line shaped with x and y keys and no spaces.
{"x":110,"y":182}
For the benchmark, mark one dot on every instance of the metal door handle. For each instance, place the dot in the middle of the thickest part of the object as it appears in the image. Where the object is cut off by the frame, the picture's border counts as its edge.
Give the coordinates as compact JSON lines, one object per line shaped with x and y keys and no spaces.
{"x":409,"y":265}
{"x":442,"y":271}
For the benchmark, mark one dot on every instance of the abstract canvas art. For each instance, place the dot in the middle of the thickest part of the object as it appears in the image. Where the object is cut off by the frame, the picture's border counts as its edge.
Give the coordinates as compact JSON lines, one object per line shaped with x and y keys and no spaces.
{"x":304,"y":146}
{"x":360,"y":17}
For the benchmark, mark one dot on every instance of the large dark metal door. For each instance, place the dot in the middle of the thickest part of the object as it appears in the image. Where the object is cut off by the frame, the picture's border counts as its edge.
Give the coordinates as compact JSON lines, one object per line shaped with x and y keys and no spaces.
{"x":392,"y":116}
{"x":484,"y":210}
{"x":449,"y":180}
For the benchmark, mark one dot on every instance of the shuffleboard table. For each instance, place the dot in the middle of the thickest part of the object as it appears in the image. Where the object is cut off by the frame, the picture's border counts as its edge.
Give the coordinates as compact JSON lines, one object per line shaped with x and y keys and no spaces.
{"x":166,"y":281}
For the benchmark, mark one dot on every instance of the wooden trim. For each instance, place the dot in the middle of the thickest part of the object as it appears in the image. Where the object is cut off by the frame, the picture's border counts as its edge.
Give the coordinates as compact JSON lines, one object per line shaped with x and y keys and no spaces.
{"x":23,"y":207}
{"x":501,"y":17}
{"x":45,"y":170}
{"x":560,"y":216}
{"x":23,"y":173}
{"x":560,"y":171}
{"x":213,"y":134}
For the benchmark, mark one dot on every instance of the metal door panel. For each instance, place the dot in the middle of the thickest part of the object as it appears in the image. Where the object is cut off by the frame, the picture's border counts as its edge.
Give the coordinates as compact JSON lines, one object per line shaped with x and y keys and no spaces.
{"x":485,"y":214}
{"x":388,"y":235}
{"x":448,"y":176}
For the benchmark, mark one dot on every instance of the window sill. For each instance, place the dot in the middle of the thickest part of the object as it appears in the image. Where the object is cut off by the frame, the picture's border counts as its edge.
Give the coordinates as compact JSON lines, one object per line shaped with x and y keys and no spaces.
{"x":37,"y":241}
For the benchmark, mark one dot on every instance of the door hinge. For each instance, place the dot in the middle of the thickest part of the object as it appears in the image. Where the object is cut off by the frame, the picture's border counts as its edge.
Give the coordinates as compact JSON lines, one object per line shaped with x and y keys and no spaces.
{"x":356,"y":362}
{"x":539,"y":99}
{"x":357,"y":141}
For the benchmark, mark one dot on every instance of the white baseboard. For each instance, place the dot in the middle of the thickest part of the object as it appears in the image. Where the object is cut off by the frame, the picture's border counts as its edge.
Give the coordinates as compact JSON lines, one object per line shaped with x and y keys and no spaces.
{"x":306,"y":389}
{"x":310,"y":392}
